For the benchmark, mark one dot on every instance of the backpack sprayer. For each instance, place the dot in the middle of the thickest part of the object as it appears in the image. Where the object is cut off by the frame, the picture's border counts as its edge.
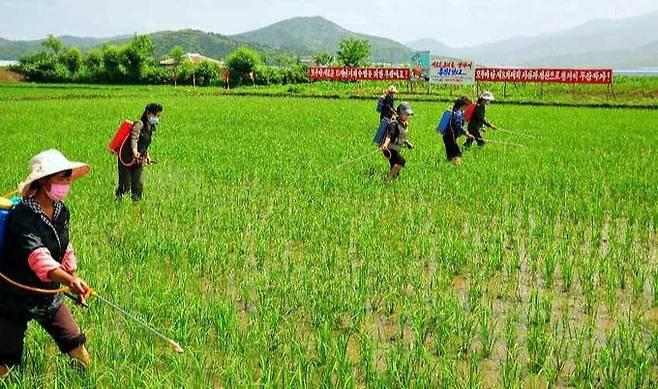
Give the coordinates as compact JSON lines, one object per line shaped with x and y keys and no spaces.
{"x":119,"y":141}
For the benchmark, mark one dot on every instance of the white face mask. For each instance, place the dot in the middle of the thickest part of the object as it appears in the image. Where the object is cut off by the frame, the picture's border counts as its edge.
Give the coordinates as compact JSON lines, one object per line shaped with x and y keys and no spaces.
{"x":153,"y":120}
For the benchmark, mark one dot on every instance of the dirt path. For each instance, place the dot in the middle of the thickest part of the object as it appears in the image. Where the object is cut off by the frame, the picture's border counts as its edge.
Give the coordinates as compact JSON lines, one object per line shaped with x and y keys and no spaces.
{"x":8,"y":76}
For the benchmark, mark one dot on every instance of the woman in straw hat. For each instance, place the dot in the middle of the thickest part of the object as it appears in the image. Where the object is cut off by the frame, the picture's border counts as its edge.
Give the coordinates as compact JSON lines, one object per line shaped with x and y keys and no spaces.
{"x":37,"y":254}
{"x":388,"y":104}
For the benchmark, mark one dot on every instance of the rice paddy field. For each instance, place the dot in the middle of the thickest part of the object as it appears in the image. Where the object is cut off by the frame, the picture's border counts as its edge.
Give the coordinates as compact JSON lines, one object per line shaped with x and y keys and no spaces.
{"x":274,"y":262}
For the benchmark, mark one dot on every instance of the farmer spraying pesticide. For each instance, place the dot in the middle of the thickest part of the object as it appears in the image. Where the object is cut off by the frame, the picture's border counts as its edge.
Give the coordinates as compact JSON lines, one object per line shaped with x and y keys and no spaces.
{"x":453,"y":129}
{"x":395,"y":139}
{"x":386,"y":108}
{"x":36,"y":259}
{"x":133,"y":153}
{"x":386,"y":104}
{"x":477,"y":122}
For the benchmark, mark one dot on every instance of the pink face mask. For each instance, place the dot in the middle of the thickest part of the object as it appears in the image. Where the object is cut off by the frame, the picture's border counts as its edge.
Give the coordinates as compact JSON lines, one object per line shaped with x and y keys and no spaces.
{"x":58,"y":192}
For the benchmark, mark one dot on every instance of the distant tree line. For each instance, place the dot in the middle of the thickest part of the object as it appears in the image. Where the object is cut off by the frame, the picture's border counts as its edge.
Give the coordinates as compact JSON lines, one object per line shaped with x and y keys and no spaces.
{"x":135,"y":63}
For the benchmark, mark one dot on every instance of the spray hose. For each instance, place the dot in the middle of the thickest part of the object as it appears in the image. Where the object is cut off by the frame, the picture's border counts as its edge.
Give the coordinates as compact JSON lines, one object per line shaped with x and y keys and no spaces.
{"x":8,"y":195}
{"x":127,"y":315}
{"x":33,"y":289}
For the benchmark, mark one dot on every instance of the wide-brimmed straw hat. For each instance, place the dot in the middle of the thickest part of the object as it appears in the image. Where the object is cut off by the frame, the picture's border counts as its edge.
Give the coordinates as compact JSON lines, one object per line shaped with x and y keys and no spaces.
{"x":487,"y":96}
{"x":48,"y":163}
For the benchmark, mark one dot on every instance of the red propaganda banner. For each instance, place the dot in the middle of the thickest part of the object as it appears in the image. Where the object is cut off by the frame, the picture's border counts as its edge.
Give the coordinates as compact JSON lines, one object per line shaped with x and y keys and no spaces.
{"x":359,"y":74}
{"x":558,"y":76}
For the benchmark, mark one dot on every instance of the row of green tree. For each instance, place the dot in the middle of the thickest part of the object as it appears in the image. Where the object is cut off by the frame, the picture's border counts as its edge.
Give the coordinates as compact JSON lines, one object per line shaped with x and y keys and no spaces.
{"x":135,"y":63}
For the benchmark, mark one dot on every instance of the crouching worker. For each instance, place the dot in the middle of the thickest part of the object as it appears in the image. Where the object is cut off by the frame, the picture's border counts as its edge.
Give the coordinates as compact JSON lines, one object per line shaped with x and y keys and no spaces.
{"x":395,"y":138}
{"x":36,"y":259}
{"x":134,"y":154}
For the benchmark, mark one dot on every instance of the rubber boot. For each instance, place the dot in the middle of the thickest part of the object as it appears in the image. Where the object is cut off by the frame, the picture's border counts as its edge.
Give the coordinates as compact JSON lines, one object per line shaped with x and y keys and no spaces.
{"x":81,"y":357}
{"x":395,"y":170}
{"x":4,"y":371}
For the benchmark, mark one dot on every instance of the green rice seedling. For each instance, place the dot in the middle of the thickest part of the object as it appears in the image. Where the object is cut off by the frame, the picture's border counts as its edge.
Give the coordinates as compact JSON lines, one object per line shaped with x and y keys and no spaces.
{"x":584,"y":354}
{"x":447,"y":372}
{"x":588,"y":285}
{"x":637,"y":276}
{"x":511,"y":368}
{"x":539,"y":309}
{"x":548,"y":270}
{"x":465,"y":330}
{"x":474,"y":295}
{"x":609,"y":283}
{"x":654,"y":275}
{"x":366,"y":359}
{"x":566,"y":272}
{"x":471,"y":377}
{"x":511,"y":335}
{"x":488,"y":334}
{"x":538,"y":342}
{"x":609,"y":360}
{"x":652,"y":347}
{"x":559,"y":350}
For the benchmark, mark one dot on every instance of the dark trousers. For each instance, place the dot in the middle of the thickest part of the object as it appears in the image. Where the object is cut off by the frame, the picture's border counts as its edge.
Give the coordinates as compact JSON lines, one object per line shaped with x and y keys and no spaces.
{"x":396,"y":159}
{"x":130,"y":180}
{"x":60,"y":326}
{"x":478,"y":138}
{"x":452,"y":148}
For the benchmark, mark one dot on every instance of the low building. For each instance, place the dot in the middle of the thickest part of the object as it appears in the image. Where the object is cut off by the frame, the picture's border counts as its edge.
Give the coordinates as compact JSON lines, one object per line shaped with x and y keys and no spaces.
{"x":307,"y":60}
{"x":195,"y":58}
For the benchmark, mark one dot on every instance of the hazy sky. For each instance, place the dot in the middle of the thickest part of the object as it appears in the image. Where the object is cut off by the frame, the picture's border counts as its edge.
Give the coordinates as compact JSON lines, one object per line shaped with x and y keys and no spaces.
{"x":456,"y":23}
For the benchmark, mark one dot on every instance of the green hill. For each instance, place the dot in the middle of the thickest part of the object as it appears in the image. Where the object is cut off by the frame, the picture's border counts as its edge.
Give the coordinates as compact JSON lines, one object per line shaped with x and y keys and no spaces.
{"x":299,"y":36}
{"x":208,"y":44}
{"x":13,"y":50}
{"x":310,"y":35}
{"x":205,"y":43}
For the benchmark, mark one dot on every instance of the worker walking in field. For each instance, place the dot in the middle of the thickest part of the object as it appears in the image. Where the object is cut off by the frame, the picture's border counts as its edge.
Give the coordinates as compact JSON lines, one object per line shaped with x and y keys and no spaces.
{"x":455,"y":130}
{"x":395,"y":139}
{"x":386,"y":109}
{"x":386,"y":106}
{"x":36,"y":258}
{"x":478,"y":122}
{"x":134,"y":155}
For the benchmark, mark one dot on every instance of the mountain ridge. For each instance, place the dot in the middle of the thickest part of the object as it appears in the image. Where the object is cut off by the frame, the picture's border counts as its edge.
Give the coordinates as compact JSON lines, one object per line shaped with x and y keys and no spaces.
{"x":310,"y":35}
{"x":617,"y":37}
